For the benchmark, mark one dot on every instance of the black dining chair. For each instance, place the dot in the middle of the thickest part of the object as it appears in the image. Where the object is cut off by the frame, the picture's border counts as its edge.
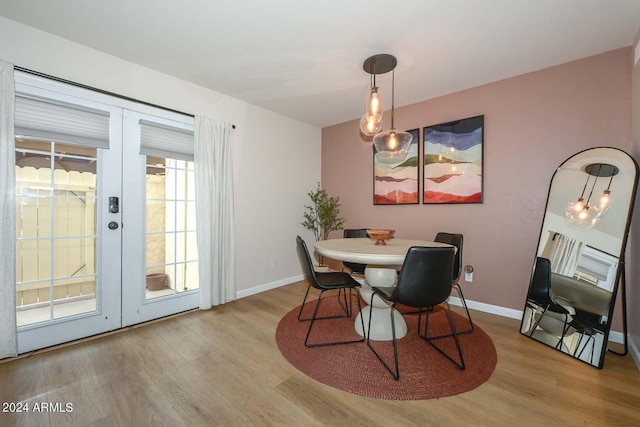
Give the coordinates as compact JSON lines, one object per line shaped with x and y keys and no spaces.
{"x":540,"y":296}
{"x":457,"y":241}
{"x":354,"y":267}
{"x":423,"y":283}
{"x":334,"y":280}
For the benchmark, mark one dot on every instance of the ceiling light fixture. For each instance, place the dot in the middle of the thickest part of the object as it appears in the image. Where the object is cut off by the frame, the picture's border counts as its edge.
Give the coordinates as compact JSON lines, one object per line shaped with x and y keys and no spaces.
{"x":581,"y":212}
{"x":391,"y":146}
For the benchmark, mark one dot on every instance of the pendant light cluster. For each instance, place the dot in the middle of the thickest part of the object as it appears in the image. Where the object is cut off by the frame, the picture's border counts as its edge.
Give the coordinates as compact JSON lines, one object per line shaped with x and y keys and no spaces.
{"x":391,"y":146}
{"x":585,"y":213}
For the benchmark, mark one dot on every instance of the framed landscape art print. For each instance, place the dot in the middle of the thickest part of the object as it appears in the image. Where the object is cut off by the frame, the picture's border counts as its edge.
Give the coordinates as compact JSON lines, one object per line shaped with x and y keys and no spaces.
{"x":397,"y":183}
{"x":453,"y":166}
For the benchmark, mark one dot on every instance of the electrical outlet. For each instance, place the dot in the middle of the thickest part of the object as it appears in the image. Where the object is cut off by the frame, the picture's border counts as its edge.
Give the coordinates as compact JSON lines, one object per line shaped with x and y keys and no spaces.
{"x":274,"y":263}
{"x":468,"y":273}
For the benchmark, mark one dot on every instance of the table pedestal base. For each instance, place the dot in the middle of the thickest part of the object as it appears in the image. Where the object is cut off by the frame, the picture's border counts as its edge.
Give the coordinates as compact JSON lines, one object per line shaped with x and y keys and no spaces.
{"x":380,"y":317}
{"x":381,"y":324}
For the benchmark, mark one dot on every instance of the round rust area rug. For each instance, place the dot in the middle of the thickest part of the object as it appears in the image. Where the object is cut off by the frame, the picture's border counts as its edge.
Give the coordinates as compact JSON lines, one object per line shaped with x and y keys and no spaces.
{"x":424,"y":372}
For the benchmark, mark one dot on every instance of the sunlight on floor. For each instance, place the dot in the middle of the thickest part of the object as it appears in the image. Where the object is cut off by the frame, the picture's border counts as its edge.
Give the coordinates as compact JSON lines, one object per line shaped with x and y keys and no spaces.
{"x":29,"y":315}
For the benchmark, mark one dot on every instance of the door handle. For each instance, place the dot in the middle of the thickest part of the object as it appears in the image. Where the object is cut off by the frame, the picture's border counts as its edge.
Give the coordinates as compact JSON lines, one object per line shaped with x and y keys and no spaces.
{"x":113,"y":225}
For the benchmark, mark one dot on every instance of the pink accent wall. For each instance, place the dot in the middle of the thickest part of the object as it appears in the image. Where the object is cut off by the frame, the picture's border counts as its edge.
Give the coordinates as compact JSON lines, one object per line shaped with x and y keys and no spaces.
{"x":533,"y":122}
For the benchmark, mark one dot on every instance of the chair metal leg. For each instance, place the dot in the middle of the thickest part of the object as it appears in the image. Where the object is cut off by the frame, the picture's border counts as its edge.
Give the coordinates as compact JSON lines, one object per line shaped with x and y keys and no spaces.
{"x":535,"y":325}
{"x":427,"y":311}
{"x":454,"y":334}
{"x":464,"y":304}
{"x":466,"y":331}
{"x":346,"y":308}
{"x":590,"y":340}
{"x":565,"y":329}
{"x":456,"y":286}
{"x":395,"y":375}
{"x":314,"y":318}
{"x":303,"y":303}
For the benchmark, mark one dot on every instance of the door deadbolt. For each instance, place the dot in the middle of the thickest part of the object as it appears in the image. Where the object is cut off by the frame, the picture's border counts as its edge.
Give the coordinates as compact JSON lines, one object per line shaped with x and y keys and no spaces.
{"x":113,"y":225}
{"x":114,"y":205}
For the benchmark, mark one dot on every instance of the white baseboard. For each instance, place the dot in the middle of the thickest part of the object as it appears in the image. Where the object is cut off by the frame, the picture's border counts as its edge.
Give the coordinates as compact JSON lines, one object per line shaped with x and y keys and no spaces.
{"x":480,"y":306}
{"x":488,"y":308}
{"x":268,"y":286}
{"x":635,"y":353}
{"x":614,"y":336}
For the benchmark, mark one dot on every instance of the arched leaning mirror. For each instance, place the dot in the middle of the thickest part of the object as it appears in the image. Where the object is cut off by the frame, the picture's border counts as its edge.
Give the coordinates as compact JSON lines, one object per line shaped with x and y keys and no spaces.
{"x":579,"y":263}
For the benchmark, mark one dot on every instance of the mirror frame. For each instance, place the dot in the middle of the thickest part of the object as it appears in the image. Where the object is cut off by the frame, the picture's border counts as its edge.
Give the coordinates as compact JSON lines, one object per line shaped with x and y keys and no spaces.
{"x":620,"y":271}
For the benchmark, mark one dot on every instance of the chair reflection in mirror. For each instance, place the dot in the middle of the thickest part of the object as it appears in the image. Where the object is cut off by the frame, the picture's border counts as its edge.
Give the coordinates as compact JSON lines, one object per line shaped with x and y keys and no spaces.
{"x":569,"y":312}
{"x":549,"y":317}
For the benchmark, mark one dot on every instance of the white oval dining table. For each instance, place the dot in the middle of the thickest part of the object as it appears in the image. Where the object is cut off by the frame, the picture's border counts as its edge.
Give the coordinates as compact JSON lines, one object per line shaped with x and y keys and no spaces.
{"x":381,"y":261}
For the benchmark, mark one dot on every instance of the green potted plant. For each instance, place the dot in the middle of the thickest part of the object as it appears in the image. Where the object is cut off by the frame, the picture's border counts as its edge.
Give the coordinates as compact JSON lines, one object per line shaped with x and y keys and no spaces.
{"x":322,"y":216}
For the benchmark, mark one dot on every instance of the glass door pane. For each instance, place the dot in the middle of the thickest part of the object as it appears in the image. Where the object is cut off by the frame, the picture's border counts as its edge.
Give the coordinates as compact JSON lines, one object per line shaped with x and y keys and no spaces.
{"x":171,"y":251}
{"x":55,"y":230}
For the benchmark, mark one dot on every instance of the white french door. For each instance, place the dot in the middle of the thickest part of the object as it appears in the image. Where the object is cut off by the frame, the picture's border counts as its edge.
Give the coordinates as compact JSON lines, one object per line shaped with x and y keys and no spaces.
{"x":67,"y":277}
{"x":97,"y":221}
{"x":159,"y":247}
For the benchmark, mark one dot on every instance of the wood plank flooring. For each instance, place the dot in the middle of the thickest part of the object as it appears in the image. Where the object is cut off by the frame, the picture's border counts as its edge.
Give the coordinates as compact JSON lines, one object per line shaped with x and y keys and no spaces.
{"x":221,"y":367}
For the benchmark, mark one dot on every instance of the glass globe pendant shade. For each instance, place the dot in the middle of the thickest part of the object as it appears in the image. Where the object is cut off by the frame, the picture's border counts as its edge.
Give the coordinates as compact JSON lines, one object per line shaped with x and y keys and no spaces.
{"x":583,"y":215}
{"x":370,"y":125}
{"x":371,"y":121}
{"x":576,"y":207}
{"x":604,"y":201}
{"x":392,"y":146}
{"x":374,"y":104}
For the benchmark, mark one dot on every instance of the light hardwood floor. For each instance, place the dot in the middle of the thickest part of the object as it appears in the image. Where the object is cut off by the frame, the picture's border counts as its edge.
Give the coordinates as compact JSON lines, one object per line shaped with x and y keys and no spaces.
{"x":222,"y":368}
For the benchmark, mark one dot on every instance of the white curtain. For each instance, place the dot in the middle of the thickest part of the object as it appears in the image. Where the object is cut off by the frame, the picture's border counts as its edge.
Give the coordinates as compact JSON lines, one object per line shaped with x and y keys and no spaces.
{"x":214,"y":212}
{"x":8,"y":330}
{"x":564,"y":254}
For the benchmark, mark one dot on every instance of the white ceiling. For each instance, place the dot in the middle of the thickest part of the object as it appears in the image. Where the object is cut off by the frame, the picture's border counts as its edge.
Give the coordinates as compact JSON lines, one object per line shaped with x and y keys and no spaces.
{"x":304,"y":58}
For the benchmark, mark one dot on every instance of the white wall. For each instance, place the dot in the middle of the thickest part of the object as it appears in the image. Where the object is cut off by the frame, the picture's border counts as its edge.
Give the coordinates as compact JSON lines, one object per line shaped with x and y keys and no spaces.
{"x":276,"y":159}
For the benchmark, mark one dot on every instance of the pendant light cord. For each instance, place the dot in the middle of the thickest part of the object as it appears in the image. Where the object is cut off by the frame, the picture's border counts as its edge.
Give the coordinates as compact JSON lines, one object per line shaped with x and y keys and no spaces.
{"x":585,"y":187}
{"x":594,"y":185}
{"x":373,"y":74}
{"x":610,"y":181}
{"x":393,"y":96}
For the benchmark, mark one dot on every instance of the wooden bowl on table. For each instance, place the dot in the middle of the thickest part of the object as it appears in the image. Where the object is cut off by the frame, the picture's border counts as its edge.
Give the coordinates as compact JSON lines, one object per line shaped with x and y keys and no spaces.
{"x":381,"y":235}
